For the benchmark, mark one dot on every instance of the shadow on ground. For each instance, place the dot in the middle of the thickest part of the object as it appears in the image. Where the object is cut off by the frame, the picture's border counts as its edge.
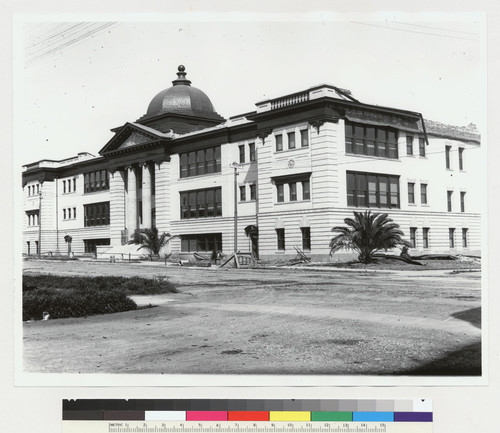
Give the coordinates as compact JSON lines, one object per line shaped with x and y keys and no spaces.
{"x":463,"y":362}
{"x":473,"y":316}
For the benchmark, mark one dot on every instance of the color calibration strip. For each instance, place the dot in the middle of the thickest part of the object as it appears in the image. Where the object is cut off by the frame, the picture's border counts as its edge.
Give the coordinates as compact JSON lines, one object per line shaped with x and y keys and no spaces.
{"x":419,"y":410}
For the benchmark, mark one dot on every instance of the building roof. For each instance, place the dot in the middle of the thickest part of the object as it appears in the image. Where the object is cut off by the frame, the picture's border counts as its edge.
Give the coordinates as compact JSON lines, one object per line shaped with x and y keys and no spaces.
{"x":453,"y":132}
{"x":181,"y":98}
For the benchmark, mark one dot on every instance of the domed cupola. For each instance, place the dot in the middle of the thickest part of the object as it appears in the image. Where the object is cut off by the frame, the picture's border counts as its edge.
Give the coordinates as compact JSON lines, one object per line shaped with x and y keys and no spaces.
{"x":181,"y":101}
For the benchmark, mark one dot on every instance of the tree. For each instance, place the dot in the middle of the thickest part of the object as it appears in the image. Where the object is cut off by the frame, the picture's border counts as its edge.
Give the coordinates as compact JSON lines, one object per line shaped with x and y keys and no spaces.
{"x":152,"y":240}
{"x":366,"y":234}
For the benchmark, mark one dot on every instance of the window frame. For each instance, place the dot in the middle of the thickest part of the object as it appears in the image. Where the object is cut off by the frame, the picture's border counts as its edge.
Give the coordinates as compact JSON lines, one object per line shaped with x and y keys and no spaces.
{"x":426,"y":237}
{"x":358,"y":179}
{"x":306,"y":238}
{"x":243,"y":192}
{"x":409,"y":145}
{"x":358,"y":141}
{"x":278,"y":138}
{"x":462,"y":201}
{"x":251,"y":151}
{"x":423,"y":193}
{"x":304,"y":133}
{"x":449,"y":200}
{"x":448,"y":157}
{"x":241,"y":149}
{"x":421,"y":147}
{"x":451,"y":237}
{"x":411,"y":192}
{"x":280,"y":239}
{"x":291,"y":140}
{"x":461,"y":158}
{"x":200,"y":162}
{"x":413,"y":237}
{"x":200,"y":203}
{"x":465,"y":234}
{"x":96,"y":214}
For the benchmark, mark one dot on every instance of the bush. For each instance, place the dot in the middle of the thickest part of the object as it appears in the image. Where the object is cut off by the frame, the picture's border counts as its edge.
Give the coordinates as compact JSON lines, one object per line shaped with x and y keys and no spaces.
{"x":73,"y":296}
{"x":128,"y":286}
{"x":73,"y":303}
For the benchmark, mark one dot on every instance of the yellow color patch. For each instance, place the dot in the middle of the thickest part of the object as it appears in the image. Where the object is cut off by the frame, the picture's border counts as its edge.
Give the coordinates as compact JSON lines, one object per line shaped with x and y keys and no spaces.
{"x":289,"y":416}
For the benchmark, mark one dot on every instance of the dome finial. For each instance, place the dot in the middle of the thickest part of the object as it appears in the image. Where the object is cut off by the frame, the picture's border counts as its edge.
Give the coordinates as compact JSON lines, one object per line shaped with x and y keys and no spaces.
{"x":181,"y":77}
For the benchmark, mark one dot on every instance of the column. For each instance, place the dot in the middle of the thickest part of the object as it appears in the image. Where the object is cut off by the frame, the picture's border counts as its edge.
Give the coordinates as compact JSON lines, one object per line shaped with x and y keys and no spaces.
{"x":117,"y":207}
{"x":146,"y":195}
{"x":132,"y":216}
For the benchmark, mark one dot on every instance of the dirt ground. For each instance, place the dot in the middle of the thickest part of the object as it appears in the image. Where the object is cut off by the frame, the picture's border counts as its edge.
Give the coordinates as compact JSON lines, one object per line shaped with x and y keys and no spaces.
{"x":270,"y":321}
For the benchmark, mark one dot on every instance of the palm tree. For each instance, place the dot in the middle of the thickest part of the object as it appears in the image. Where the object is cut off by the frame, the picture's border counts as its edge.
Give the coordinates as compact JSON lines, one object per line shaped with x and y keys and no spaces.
{"x":152,"y":240}
{"x":366,"y":234}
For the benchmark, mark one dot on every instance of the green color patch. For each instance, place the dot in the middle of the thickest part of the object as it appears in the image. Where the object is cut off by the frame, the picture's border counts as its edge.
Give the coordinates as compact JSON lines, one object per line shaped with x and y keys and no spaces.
{"x":331,"y":416}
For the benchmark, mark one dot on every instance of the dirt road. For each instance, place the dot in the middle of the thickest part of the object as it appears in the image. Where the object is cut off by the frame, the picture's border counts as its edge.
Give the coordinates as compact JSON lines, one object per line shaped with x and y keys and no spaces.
{"x":270,"y":321}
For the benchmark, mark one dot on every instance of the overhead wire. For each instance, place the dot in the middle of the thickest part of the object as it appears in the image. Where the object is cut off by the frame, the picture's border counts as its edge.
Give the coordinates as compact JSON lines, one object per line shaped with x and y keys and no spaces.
{"x":413,"y":31}
{"x":59,"y":41}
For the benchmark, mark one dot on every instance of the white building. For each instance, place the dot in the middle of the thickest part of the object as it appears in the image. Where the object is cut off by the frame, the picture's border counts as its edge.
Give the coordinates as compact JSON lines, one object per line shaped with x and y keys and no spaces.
{"x":307,"y":161}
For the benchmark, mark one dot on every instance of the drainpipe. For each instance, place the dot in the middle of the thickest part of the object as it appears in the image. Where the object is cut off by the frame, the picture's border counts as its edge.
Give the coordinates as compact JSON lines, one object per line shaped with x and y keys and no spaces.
{"x":423,"y":127}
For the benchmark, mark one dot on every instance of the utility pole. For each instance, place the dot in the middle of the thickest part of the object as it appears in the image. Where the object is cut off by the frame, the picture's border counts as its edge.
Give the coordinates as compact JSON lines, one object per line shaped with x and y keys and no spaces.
{"x":235,"y":166}
{"x":40,"y":223}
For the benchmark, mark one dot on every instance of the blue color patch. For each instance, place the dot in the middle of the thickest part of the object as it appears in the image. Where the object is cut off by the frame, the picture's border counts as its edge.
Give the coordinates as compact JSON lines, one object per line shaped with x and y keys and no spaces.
{"x":373,"y":416}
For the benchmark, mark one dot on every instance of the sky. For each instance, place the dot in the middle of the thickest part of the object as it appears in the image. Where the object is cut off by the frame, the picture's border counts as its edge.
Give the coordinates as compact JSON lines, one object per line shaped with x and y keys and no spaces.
{"x":74,"y":81}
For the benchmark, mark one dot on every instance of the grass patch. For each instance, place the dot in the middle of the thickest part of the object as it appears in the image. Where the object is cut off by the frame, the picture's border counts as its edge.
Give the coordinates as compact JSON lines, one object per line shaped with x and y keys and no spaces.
{"x":72,"y":296}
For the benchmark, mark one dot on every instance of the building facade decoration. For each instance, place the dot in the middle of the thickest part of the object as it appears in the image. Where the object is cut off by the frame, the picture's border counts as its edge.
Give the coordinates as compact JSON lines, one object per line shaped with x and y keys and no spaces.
{"x":305,"y":162}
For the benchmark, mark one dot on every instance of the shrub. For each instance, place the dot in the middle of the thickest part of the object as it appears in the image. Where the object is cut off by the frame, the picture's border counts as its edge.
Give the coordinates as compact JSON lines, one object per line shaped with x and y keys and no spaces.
{"x":76,"y":296}
{"x":73,"y":303}
{"x":128,"y":286}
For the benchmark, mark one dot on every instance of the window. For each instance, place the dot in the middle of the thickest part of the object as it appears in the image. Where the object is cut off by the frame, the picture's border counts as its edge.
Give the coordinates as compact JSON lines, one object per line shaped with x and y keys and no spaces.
{"x":372,"y":190}
{"x":201,"y":242}
{"x":253,"y":191}
{"x":447,"y":153}
{"x":409,"y":144}
{"x":421,"y":146}
{"x":91,"y":244}
{"x":242,"y":154}
{"x":201,"y":203}
{"x":38,"y":188}
{"x":69,"y":213}
{"x":74,"y":212}
{"x":64,"y":213}
{"x":291,"y":140}
{"x":280,"y":235}
{"x":279,"y":142}
{"x":451,"y":233}
{"x":462,"y":201}
{"x":32,"y":218}
{"x":293,"y":191}
{"x":411,"y":193}
{"x":413,"y":237}
{"x":306,"y":238}
{"x":280,"y":187}
{"x":251,"y":148}
{"x":304,"y":138}
{"x":460,"y":158}
{"x":243,"y":193}
{"x":37,"y":247}
{"x":464,"y":237}
{"x":425,"y":236}
{"x":306,"y":194}
{"x":370,"y":140}
{"x":74,"y":184}
{"x":96,"y":214}
{"x":450,"y":197}
{"x":203,"y":161}
{"x":64,"y":187}
{"x":423,"y":193}
{"x":96,"y":181}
